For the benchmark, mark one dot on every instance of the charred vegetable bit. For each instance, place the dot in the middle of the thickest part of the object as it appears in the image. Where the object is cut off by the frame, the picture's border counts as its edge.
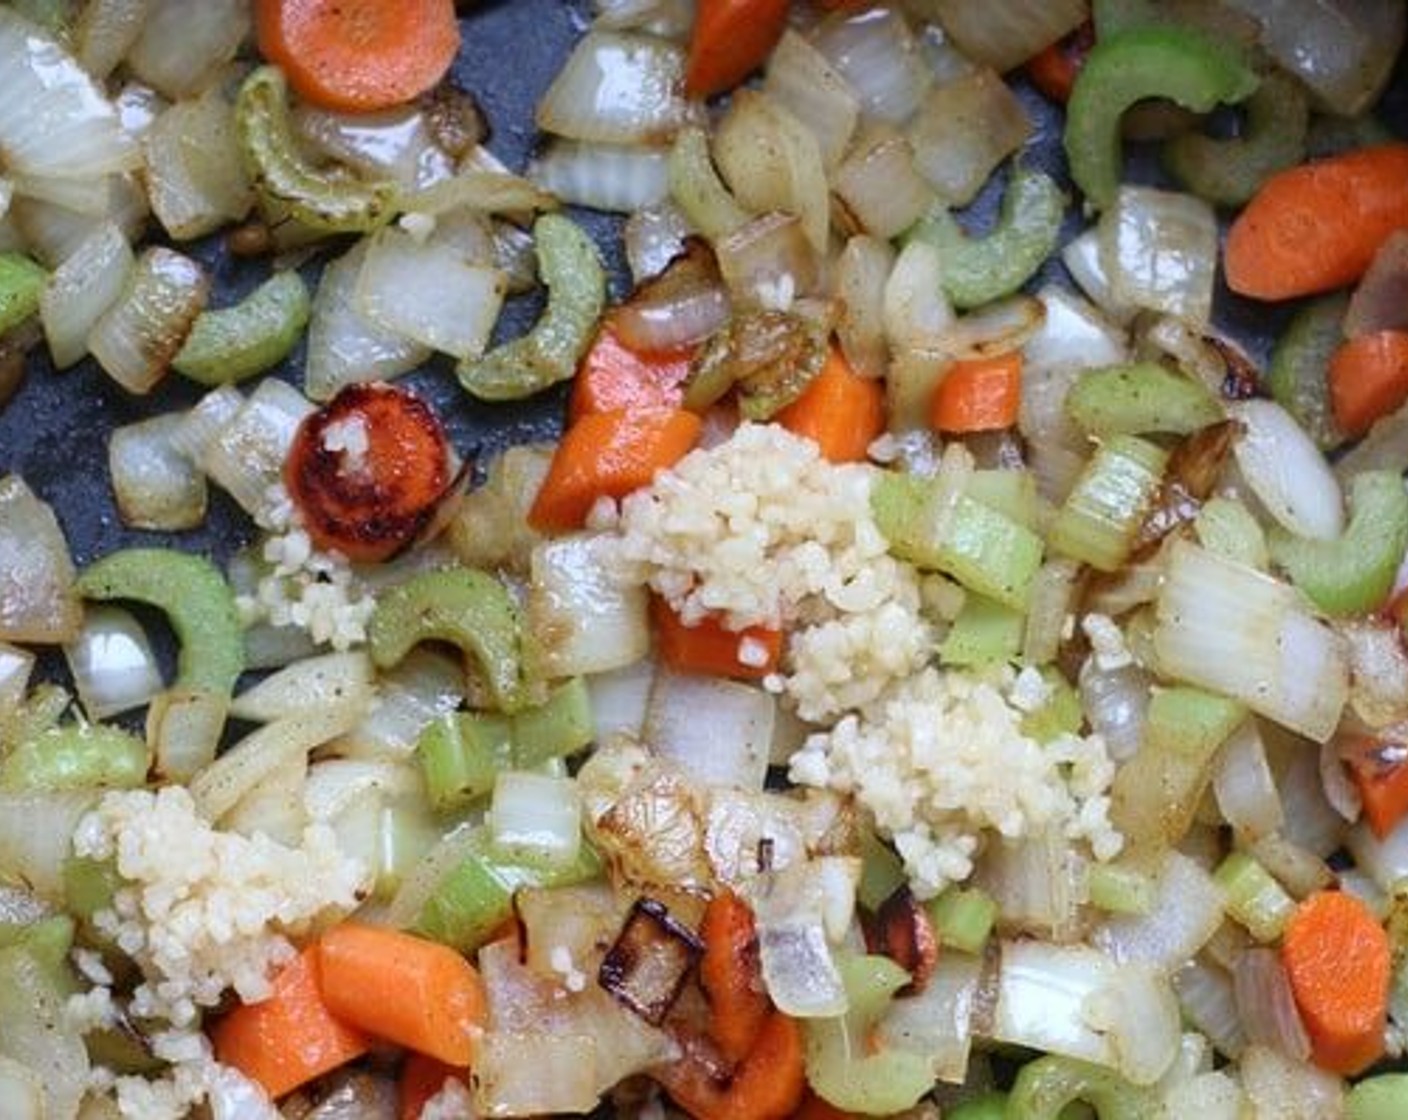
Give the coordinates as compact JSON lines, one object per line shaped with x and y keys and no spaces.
{"x":903,"y":930}
{"x":1194,"y":467}
{"x":647,"y":966}
{"x":771,"y":356}
{"x":254,"y":335}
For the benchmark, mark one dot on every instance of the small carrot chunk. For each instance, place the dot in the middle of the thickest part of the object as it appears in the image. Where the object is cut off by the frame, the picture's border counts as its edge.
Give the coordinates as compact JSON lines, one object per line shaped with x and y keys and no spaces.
{"x":840,"y":410}
{"x":710,"y":647}
{"x":290,"y":1038}
{"x":731,"y":39}
{"x":731,"y":975}
{"x":417,"y":993}
{"x":1368,"y":379}
{"x":979,"y":395}
{"x":767,"y":1085}
{"x":609,"y":454}
{"x":1379,"y":768}
{"x":613,"y":376}
{"x":1055,"y":69}
{"x":422,"y":1079}
{"x":1337,"y":957}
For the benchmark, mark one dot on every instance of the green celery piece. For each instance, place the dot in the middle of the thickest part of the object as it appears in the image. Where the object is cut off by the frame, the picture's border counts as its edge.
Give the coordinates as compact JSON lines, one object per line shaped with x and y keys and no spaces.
{"x":559,"y":727}
{"x":1177,"y":63}
{"x":41,"y":710}
{"x":35,"y":985}
{"x":21,"y":284}
{"x":49,"y":940}
{"x":984,"y":633}
{"x":982,"y":549}
{"x":1228,"y":172}
{"x":1101,"y":517}
{"x":963,"y":918}
{"x":1138,"y":398}
{"x":327,"y":199}
{"x":881,"y":871}
{"x":122,"y":1049}
{"x":697,"y":189}
{"x":1061,"y":714}
{"x":1298,"y":376}
{"x":1047,"y":1085}
{"x":991,"y":1105}
{"x":1011,"y":493}
{"x":89,"y":885}
{"x":839,"y":1068}
{"x":1355,"y":573}
{"x":1254,"y":898}
{"x":1227,"y":527}
{"x":193,"y":594}
{"x":465,"y":607}
{"x":461,"y":754}
{"x":254,"y":335}
{"x":1118,"y":888}
{"x":1382,"y":1097}
{"x":76,"y":756}
{"x":979,"y":270}
{"x":571,"y":269}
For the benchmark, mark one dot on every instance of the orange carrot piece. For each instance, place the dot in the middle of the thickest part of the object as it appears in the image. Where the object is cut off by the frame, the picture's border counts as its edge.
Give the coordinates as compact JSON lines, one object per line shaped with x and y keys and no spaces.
{"x":359,"y":55}
{"x":1317,"y":226}
{"x":609,"y":454}
{"x":422,"y":1078}
{"x":731,"y":39}
{"x":1054,"y":70}
{"x":290,"y":1038}
{"x":420,"y":994}
{"x":840,"y":410}
{"x":709,"y":647}
{"x":1368,"y":379}
{"x":816,"y":1108}
{"x":731,"y":975}
{"x":613,"y":376}
{"x":1379,"y":768}
{"x":767,"y":1085}
{"x":979,"y":395}
{"x":1337,"y":958}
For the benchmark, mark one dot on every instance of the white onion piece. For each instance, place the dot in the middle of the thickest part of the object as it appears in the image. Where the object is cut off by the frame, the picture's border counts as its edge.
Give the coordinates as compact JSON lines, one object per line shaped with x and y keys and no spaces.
{"x":54,"y":119}
{"x":344,"y":346}
{"x":619,"y":699}
{"x":105,"y":32}
{"x":800,"y":79}
{"x":21,"y":1091}
{"x":1341,"y":794}
{"x":184,"y":728}
{"x":36,"y":837}
{"x":1082,"y":259}
{"x":136,"y":338}
{"x":730,"y":747}
{"x":1073,"y":335}
{"x":155,"y":484}
{"x":16,"y":667}
{"x":536,"y":817}
{"x":247,"y":458}
{"x":1005,"y":33}
{"x":618,"y":88}
{"x":1159,"y":251}
{"x":769,"y":262}
{"x":1384,"y":861}
{"x":1052,"y":601}
{"x":800,"y":910}
{"x":1289,"y":1090}
{"x":995,"y":328}
{"x":879,"y":186}
{"x":860,"y":275}
{"x":426,"y":684}
{"x":1244,"y":786}
{"x":51,"y":233}
{"x":678,"y":313}
{"x":964,"y":130}
{"x":113,"y":667}
{"x":587,"y":619}
{"x":938,"y":1022}
{"x":274,"y":806}
{"x":196,"y":175}
{"x":1140,"y":1016}
{"x":394,"y":144}
{"x":1301,"y":872}
{"x":876,"y":53}
{"x":37,"y":600}
{"x":1186,"y":912}
{"x":1286,"y":471}
{"x":82,"y":196}
{"x":917,"y":314}
{"x":334,"y":784}
{"x":183,"y":46}
{"x":316,"y":681}
{"x":486,"y":190}
{"x":534,"y":1074}
{"x":1209,"y":1004}
{"x":137,"y":106}
{"x":623,"y":178}
{"x":233,"y":1096}
{"x":1039,"y":883}
{"x":81,"y":290}
{"x":654,"y":236}
{"x":1116,"y":701}
{"x":1267,"y":1006}
{"x":429,"y":293}
{"x":1378,"y":671}
{"x":203,"y":423}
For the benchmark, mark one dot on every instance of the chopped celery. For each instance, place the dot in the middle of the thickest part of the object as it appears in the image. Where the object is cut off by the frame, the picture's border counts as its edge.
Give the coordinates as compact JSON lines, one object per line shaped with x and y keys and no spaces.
{"x":1011,"y":493}
{"x":963,"y":918}
{"x":461,"y":754}
{"x":1101,"y":517}
{"x":1059,"y":715}
{"x":979,"y":270}
{"x":1355,"y":573}
{"x":697,"y":189}
{"x":254,"y":335}
{"x":1382,"y":1097}
{"x":1254,"y":898}
{"x":1047,"y":1085}
{"x":881,"y":871}
{"x":89,"y":885}
{"x":1138,"y":398}
{"x":982,"y":549}
{"x":1118,"y":888}
{"x":560,"y":726}
{"x":50,"y":940}
{"x":465,"y":607}
{"x":76,"y":756}
{"x":984,"y":633}
{"x":990,"y":1106}
{"x":22,"y":282}
{"x":571,"y":270}
{"x":1298,"y":375}
{"x":35,"y":985}
{"x":1227,"y":527}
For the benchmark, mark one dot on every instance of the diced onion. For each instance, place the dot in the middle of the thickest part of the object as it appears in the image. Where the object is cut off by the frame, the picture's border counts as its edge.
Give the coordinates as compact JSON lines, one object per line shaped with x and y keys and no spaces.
{"x":1038,"y":883}
{"x":315,"y":681}
{"x":136,"y":338}
{"x":1279,"y":1086}
{"x":1244,"y":786}
{"x":535,"y":1074}
{"x":183,"y":46}
{"x":730,"y":747}
{"x":37,"y":600}
{"x":879,"y":186}
{"x":1209,"y":1004}
{"x":619,"y":699}
{"x":426,"y":684}
{"x":1072,"y":335}
{"x":203,"y":423}
{"x":274,"y":806}
{"x":604,"y":176}
{"x":156,"y":485}
{"x":105,"y":31}
{"x":196,"y":176}
{"x":917,"y":313}
{"x":861,"y":273}
{"x":1005,"y":33}
{"x":1286,"y":471}
{"x":1159,"y":251}
{"x":113,"y":667}
{"x":82,"y":196}
{"x":1082,"y":258}
{"x":247,"y":457}
{"x":1140,"y":1017}
{"x":939,"y":1021}
{"x":963,"y":130}
{"x":21,"y":1091}
{"x":1378,"y":671}
{"x":394,"y":144}
{"x":588,"y":621}
{"x":184,"y":728}
{"x":16,"y":667}
{"x":801,"y":80}
{"x":654,"y":236}
{"x":36,"y":837}
{"x":1187,"y":911}
{"x":682,"y":306}
{"x":1267,"y":1006}
{"x":536,"y":817}
{"x":81,"y":290}
{"x":875,"y":52}
{"x":768,"y":262}
{"x":1116,"y":701}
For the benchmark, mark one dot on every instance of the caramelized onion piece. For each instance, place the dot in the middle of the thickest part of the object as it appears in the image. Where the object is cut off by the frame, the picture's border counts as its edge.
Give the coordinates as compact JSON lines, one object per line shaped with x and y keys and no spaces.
{"x":903,"y":931}
{"x":648,"y":965}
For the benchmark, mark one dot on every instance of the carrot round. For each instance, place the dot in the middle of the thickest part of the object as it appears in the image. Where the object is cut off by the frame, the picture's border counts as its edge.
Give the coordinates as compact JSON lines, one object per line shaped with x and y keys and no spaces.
{"x":767,"y":1085}
{"x":730,"y":973}
{"x":609,"y":454}
{"x":979,"y":395}
{"x":1317,"y":226}
{"x":1337,"y":958}
{"x":613,"y":376}
{"x":417,"y":993}
{"x":422,"y":1078}
{"x":731,"y":39}
{"x":840,"y":411}
{"x":359,"y":55}
{"x":290,"y":1038}
{"x":710,"y":647}
{"x":1368,"y":379}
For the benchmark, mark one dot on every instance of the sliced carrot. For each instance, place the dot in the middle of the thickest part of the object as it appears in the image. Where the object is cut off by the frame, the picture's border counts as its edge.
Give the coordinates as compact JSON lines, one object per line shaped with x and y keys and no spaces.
{"x":1379,"y":768}
{"x":979,"y":395}
{"x":731,"y":39}
{"x":840,"y":410}
{"x":1317,"y":226}
{"x":290,"y":1038}
{"x":767,"y":1085}
{"x":609,"y":454}
{"x":417,"y":993}
{"x":731,"y":975}
{"x":422,"y":1078}
{"x":1054,"y":70}
{"x":359,"y":55}
{"x":613,"y":376}
{"x":1368,"y":379}
{"x":1337,"y":958}
{"x":710,"y":647}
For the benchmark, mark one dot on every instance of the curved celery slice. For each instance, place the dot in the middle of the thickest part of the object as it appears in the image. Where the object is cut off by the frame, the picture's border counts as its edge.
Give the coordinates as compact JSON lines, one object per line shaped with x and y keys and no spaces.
{"x":21,"y":284}
{"x":1103,"y":513}
{"x":193,"y":595}
{"x":1138,"y":398}
{"x":1177,"y":63}
{"x":237,"y":342}
{"x":990,"y":1106}
{"x":1354,"y":573}
{"x":1298,"y":377}
{"x":697,"y":189}
{"x":1047,"y":1085}
{"x":1228,"y":172}
{"x":76,"y":756}
{"x":576,"y":283}
{"x":462,"y":606}
{"x":1384,"y":1097}
{"x":979,"y":270}
{"x":333,"y":201}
